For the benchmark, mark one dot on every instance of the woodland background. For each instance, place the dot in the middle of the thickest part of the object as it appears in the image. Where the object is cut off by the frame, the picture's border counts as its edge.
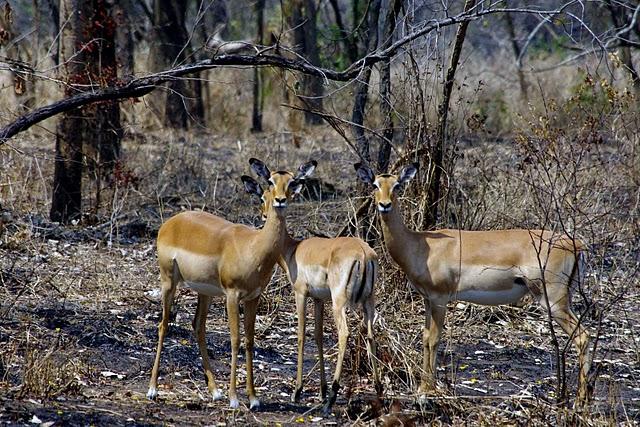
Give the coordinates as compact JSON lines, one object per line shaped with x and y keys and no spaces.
{"x":520,"y":114}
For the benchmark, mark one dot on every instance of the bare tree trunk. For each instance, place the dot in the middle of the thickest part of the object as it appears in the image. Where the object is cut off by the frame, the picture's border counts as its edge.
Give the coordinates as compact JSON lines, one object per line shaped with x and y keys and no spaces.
{"x":124,"y":39}
{"x":348,"y":40}
{"x":619,"y":21}
{"x":362,"y":87}
{"x":54,"y":6}
{"x":23,"y":81}
{"x":88,"y":54}
{"x":170,"y":48}
{"x":313,"y":86}
{"x":258,"y":74}
{"x":432,"y":199}
{"x":516,"y":52}
{"x":71,"y":130}
{"x":384,"y":150}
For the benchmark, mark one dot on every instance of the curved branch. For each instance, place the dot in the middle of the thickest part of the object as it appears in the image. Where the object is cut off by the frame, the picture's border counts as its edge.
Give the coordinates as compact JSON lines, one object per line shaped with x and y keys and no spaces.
{"x":143,"y":85}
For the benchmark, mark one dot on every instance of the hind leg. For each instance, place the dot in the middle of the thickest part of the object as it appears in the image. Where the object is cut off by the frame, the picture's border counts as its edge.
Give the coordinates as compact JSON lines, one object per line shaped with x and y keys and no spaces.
{"x":168,"y":290}
{"x":369,"y":312}
{"x":340,"y":317}
{"x":565,"y":317}
{"x":570,"y":324}
{"x":199,"y":328}
{"x":318,"y":332}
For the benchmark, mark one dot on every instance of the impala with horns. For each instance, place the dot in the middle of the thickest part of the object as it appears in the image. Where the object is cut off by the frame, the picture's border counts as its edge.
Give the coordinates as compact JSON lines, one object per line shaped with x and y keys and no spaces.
{"x":342,"y":270}
{"x":216,"y":257}
{"x":483,"y":267}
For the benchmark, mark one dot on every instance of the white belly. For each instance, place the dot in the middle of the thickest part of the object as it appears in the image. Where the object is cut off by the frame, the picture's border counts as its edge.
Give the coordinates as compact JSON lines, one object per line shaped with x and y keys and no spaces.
{"x":492,"y":297}
{"x":321,"y":292}
{"x":315,"y":278}
{"x":209,"y":289}
{"x":491,"y":285}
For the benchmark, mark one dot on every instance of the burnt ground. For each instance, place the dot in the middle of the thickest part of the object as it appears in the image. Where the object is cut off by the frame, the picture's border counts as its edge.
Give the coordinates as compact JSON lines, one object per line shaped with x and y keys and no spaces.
{"x":79,"y":328}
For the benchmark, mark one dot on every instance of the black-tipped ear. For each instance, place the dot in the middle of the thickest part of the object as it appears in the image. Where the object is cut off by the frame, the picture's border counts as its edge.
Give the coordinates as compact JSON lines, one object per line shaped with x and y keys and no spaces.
{"x":364,"y":173}
{"x":408,"y":173}
{"x":295,"y":186}
{"x":260,"y":168}
{"x":251,"y":186}
{"x":305,"y":170}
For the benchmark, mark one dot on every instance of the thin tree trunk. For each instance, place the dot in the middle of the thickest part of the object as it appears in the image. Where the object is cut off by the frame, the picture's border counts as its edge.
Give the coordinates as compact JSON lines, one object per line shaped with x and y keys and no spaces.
{"x":88,"y":54}
{"x":313,"y":85}
{"x":67,"y":181}
{"x":347,"y":39}
{"x":54,"y":6}
{"x":618,"y":19}
{"x":258,"y":74}
{"x":384,"y":150}
{"x":362,"y":87}
{"x":169,"y":49}
{"x":124,"y":39}
{"x":516,"y":52}
{"x":432,"y":200}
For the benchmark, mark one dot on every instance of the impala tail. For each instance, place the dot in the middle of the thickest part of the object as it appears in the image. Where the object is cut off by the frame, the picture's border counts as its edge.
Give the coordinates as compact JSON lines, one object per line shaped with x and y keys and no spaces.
{"x":361,"y":278}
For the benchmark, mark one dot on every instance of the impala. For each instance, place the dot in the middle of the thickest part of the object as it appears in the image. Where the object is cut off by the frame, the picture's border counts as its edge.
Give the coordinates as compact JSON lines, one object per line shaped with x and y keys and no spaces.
{"x":216,"y":257}
{"x":342,"y":270}
{"x":483,"y":267}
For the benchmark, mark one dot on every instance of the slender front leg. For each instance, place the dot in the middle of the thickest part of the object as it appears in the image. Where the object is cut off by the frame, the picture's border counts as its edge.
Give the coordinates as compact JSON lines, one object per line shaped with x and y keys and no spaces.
{"x":301,"y":310}
{"x":168,"y":290}
{"x":234,"y":329}
{"x":318,"y":332}
{"x":434,"y":320}
{"x":369,"y":313}
{"x":199,"y":328}
{"x":340,"y":317}
{"x":250,"y":309}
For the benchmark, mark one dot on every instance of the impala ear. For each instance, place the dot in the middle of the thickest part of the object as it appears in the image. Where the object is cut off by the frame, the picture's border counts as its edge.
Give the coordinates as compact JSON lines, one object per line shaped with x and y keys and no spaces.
{"x":408,"y":173}
{"x":295,"y":186}
{"x":251,"y":186}
{"x":365,"y":173}
{"x":305,"y":170}
{"x":260,"y":168}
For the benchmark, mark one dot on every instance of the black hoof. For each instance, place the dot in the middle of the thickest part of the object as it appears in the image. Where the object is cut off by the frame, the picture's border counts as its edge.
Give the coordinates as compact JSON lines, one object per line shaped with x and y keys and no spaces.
{"x":295,"y":396}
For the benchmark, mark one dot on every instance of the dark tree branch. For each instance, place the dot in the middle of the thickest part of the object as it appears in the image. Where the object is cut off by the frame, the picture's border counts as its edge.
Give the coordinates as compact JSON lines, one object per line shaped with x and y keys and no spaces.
{"x":143,"y":85}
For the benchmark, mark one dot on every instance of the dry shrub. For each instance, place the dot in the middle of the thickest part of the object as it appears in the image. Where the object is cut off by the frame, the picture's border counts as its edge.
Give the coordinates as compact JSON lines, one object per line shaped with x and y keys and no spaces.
{"x":47,"y":374}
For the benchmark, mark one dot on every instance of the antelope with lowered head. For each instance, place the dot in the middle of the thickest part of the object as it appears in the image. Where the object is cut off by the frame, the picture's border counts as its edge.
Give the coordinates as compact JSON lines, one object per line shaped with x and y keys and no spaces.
{"x":216,"y":257}
{"x":342,"y":270}
{"x":482,"y":267}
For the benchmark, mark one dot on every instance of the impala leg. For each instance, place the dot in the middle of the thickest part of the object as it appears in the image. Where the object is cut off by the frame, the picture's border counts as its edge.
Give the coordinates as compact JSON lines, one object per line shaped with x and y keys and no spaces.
{"x":318,"y":332}
{"x":168,"y":290}
{"x":434,"y":320}
{"x":301,"y":311}
{"x":234,"y":329}
{"x":250,"y":309}
{"x":369,"y":313}
{"x":199,"y":327}
{"x":572,"y":327}
{"x":339,"y":314}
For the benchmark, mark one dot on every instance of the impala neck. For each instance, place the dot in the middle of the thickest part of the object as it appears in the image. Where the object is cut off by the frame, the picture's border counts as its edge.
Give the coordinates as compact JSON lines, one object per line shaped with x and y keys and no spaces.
{"x":274,"y":231}
{"x":396,"y":234}
{"x":287,"y":255}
